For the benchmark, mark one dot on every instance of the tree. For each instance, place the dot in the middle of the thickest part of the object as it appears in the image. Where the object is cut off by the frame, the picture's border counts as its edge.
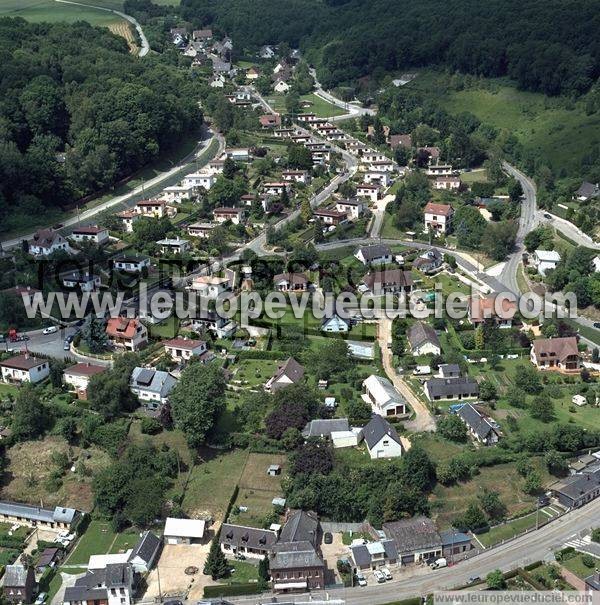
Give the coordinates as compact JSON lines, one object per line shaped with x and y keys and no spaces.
{"x":216,"y":565}
{"x":305,"y":211}
{"x":263,"y":570}
{"x":196,"y":401}
{"x":453,"y":428}
{"x":29,"y":417}
{"x":331,"y":359}
{"x":94,"y":335}
{"x":533,"y":483}
{"x":472,"y":519}
{"x":479,"y":338}
{"x":109,"y":392}
{"x":498,"y":239}
{"x":299,"y":157}
{"x":57,"y":367}
{"x":527,"y":379}
{"x":487,"y":390}
{"x":542,"y":409}
{"x":314,"y":456}
{"x":492,"y":505}
{"x":495,"y":580}
{"x":515,"y":190}
{"x":67,"y":428}
{"x":556,"y":464}
{"x":596,"y":534}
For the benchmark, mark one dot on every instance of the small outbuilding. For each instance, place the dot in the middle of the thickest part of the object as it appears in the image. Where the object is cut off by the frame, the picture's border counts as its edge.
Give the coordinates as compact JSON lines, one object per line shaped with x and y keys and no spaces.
{"x":184,"y":531}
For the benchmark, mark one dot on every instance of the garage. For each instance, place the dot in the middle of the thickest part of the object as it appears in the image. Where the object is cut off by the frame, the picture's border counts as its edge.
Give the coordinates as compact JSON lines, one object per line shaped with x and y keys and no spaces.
{"x":184,"y":531}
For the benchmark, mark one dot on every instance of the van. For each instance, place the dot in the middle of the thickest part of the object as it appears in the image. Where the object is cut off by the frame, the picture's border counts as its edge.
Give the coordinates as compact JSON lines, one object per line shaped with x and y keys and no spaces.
{"x":379,"y":576}
{"x":439,"y":563}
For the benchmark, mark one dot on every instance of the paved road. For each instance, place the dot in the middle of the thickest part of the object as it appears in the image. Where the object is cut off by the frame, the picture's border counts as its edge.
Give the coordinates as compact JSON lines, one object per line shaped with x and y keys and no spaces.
{"x":151,"y":187}
{"x":145,"y":47}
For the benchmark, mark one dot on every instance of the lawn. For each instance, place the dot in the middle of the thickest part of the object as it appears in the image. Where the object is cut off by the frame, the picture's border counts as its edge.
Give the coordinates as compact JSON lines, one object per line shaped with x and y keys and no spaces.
{"x":509,"y":529}
{"x":97,"y":540}
{"x":320,"y":107}
{"x":169,"y":328}
{"x":174,"y":439}
{"x":50,"y":11}
{"x":576,"y":566}
{"x":212,"y":482}
{"x":242,"y":573}
{"x":251,"y":373}
{"x":7,"y":389}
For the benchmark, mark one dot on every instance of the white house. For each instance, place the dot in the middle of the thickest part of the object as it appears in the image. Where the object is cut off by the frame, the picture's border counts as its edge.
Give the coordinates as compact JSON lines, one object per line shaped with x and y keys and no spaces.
{"x":446,"y":182}
{"x":287,"y":374}
{"x":145,"y":553}
{"x":151,"y":386}
{"x":46,"y":242}
{"x":183,"y":349}
{"x":438,"y":217}
{"x":423,"y":339}
{"x":439,"y":170}
{"x":78,"y":377}
{"x":371,"y":156}
{"x":93,"y":233}
{"x":237,"y":154}
{"x":596,"y":264}
{"x":353,"y":208}
{"x":183,"y":531}
{"x":281,"y":86}
{"x":211,"y":286}
{"x":384,"y":399}
{"x":368,"y":190}
{"x":111,"y":584}
{"x":295,"y":176}
{"x":382,"y":439}
{"x":377,"y":254}
{"x":275,"y":188}
{"x":222,"y":215}
{"x":204,"y":179}
{"x":151,"y":208}
{"x":128,"y":334}
{"x":128,"y":218}
{"x":176,"y":245}
{"x":131,"y":263}
{"x":545,"y":260}
{"x":381,"y":177}
{"x":202,"y":230}
{"x":335,"y":324}
{"x":24,"y":368}
{"x":86,"y":282}
{"x":177,"y":193}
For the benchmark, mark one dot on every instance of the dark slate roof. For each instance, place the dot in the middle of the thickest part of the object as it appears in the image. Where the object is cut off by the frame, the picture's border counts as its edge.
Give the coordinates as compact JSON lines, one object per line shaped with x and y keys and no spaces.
{"x":410,"y":535}
{"x":84,"y":593}
{"x":146,"y":548}
{"x":421,"y":333}
{"x":450,"y":537}
{"x":449,"y":369}
{"x":375,"y":251}
{"x":378,"y":428}
{"x":362,"y":556}
{"x":250,"y":537}
{"x":301,"y":526}
{"x":593,"y":581}
{"x":475,"y":421}
{"x":318,"y":428}
{"x":294,"y":555}
{"x":444,"y":387}
{"x":588,"y":190}
{"x":576,"y":486}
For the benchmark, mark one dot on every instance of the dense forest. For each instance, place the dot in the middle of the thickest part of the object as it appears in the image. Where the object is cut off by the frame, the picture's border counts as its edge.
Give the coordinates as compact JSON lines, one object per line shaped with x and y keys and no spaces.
{"x":549,"y":46}
{"x":78,"y":112}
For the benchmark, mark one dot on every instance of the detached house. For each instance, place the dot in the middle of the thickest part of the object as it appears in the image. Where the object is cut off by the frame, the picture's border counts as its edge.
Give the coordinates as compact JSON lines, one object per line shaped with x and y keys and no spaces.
{"x":295,"y":176}
{"x":111,"y":585}
{"x":287,"y":374}
{"x":275,"y":188}
{"x":446,"y":182}
{"x":211,"y":286}
{"x":204,"y":179}
{"x":85,"y":282}
{"x":480,"y":428}
{"x":587,"y":191}
{"x":545,"y":260}
{"x":489,"y":308}
{"x":423,"y":340}
{"x":377,"y":254}
{"x":93,"y":233}
{"x":439,"y":170}
{"x":175,"y":245}
{"x":151,"y":208}
{"x":388,"y":281}
{"x":222,"y":215}
{"x":384,"y":399}
{"x":18,"y":583}
{"x":124,"y":333}
{"x":353,"y":209}
{"x":24,"y":368}
{"x":183,"y":349}
{"x":429,"y":262}
{"x":250,"y":542}
{"x":131,"y":263}
{"x":202,"y":230}
{"x":128,"y":218}
{"x":78,"y":377}
{"x":382,"y":439}
{"x":368,"y":190}
{"x":270,"y":120}
{"x":151,"y":386}
{"x":438,"y":217}
{"x":46,"y":242}
{"x":290,"y":282}
{"x":330,"y":217}
{"x":460,"y":387}
{"x":555,"y":353}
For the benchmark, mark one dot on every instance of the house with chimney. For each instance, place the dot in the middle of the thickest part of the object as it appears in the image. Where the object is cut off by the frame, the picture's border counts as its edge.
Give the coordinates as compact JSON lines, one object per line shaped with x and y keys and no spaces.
{"x":92,"y":233}
{"x":388,"y":281}
{"x":47,"y":241}
{"x":377,"y":254}
{"x":77,"y":377}
{"x":126,"y":333}
{"x":152,"y":387}
{"x":252,"y":543}
{"x":111,"y":584}
{"x":183,"y":349}
{"x":24,"y":368}
{"x":224,"y":214}
{"x":438,"y":218}
{"x":556,"y":354}
{"x":290,"y":372}
{"x":18,"y":583}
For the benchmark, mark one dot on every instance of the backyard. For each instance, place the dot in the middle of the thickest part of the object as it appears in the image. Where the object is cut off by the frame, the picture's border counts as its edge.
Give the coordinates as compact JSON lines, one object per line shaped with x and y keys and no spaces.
{"x":100,"y":539}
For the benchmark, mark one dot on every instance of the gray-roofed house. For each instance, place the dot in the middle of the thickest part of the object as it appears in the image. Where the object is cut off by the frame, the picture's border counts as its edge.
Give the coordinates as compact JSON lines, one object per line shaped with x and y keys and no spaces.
{"x":461,"y":387}
{"x":577,"y":490}
{"x":48,"y":558}
{"x":151,"y":386}
{"x":448,"y":370}
{"x":417,"y":539}
{"x":248,"y":541}
{"x":385,"y":400}
{"x":423,"y":339}
{"x":480,"y":428}
{"x":388,"y":281}
{"x":112,"y":585}
{"x":587,"y":191}
{"x":26,"y":514}
{"x":146,"y":552}
{"x":593,"y":582}
{"x":429,"y":261}
{"x":382,"y":439}
{"x":324,"y":427}
{"x":454,"y":542}
{"x":374,"y":554}
{"x":377,"y":254}
{"x":17,"y":584}
{"x":287,"y":374}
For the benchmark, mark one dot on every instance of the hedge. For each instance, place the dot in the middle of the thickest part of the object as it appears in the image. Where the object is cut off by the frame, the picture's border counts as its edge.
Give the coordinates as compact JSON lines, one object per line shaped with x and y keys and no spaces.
{"x":232,"y":590}
{"x":411,"y":601}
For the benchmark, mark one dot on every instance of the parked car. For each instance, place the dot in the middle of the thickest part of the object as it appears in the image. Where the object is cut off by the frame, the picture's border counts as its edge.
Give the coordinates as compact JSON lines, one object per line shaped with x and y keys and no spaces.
{"x":379,"y":576}
{"x":50,"y":330}
{"x":327,"y":537}
{"x":548,"y":216}
{"x":387,"y":573}
{"x":173,"y":603}
{"x":597,"y":324}
{"x":474,"y":579}
{"x":439,"y":563}
{"x":66,"y":346}
{"x":361,"y":580}
{"x":41,"y":598}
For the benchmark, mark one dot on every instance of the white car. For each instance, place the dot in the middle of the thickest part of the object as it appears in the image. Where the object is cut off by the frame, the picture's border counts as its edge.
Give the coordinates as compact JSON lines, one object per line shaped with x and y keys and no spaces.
{"x":387,"y":573}
{"x":50,"y":330}
{"x":361,"y":579}
{"x":63,"y":534}
{"x":379,"y":576}
{"x":41,"y":598}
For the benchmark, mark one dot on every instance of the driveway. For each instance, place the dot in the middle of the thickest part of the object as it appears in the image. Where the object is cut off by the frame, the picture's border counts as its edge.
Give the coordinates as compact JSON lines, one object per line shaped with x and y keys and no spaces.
{"x":331,"y":553}
{"x":68,"y":580}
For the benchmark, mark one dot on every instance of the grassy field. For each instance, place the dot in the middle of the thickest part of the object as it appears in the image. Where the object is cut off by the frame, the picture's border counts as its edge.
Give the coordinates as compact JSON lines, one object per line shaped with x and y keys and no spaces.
{"x":53,"y":12}
{"x":555,"y":128}
{"x":575,"y":565}
{"x":510,"y":529}
{"x":320,"y":107}
{"x":242,"y":573}
{"x":97,"y":540}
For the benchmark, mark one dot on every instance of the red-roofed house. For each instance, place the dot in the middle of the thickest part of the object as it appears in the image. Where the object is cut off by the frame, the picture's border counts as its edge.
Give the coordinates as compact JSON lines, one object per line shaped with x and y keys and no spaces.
{"x":124,"y":333}
{"x":93,"y":233}
{"x":484,"y":308}
{"x":78,"y":377}
{"x":438,"y":217}
{"x":368,"y":190}
{"x":446,"y":182}
{"x":270,"y":120}
{"x":183,"y":349}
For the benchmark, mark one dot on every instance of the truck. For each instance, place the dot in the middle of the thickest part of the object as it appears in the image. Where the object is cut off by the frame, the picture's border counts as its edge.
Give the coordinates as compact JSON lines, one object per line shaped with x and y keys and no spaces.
{"x":439,"y":563}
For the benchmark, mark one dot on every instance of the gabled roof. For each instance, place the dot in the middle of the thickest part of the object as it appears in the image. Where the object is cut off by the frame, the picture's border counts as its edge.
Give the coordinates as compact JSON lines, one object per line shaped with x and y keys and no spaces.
{"x":400,"y":140}
{"x":152,"y":381}
{"x":146,"y":548}
{"x":481,"y":308}
{"x":291,"y":278}
{"x":557,"y":348}
{"x":410,"y":535}
{"x":324,"y":427}
{"x":301,"y":526}
{"x":475,"y":421}
{"x":362,"y":553}
{"x":291,"y":369}
{"x":382,"y":390}
{"x":445,"y":387}
{"x":45,"y":238}
{"x":394,"y":277}
{"x":373,"y":252}
{"x":14,"y":576}
{"x":250,"y":537}
{"x":422,"y":333}
{"x":22,"y":362}
{"x":295,"y":555}
{"x":121,"y":327}
{"x":188,"y":344}
{"x":588,"y":190}
{"x":84,"y":369}
{"x":443,"y":209}
{"x":377,"y":429}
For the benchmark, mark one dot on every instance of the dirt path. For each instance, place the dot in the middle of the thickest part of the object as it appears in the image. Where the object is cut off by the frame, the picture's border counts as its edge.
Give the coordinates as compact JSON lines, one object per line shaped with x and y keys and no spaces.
{"x":424,"y":421}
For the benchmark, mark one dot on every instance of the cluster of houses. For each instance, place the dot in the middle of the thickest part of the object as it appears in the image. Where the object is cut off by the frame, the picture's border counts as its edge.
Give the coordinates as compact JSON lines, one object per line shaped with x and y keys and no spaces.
{"x":48,"y":241}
